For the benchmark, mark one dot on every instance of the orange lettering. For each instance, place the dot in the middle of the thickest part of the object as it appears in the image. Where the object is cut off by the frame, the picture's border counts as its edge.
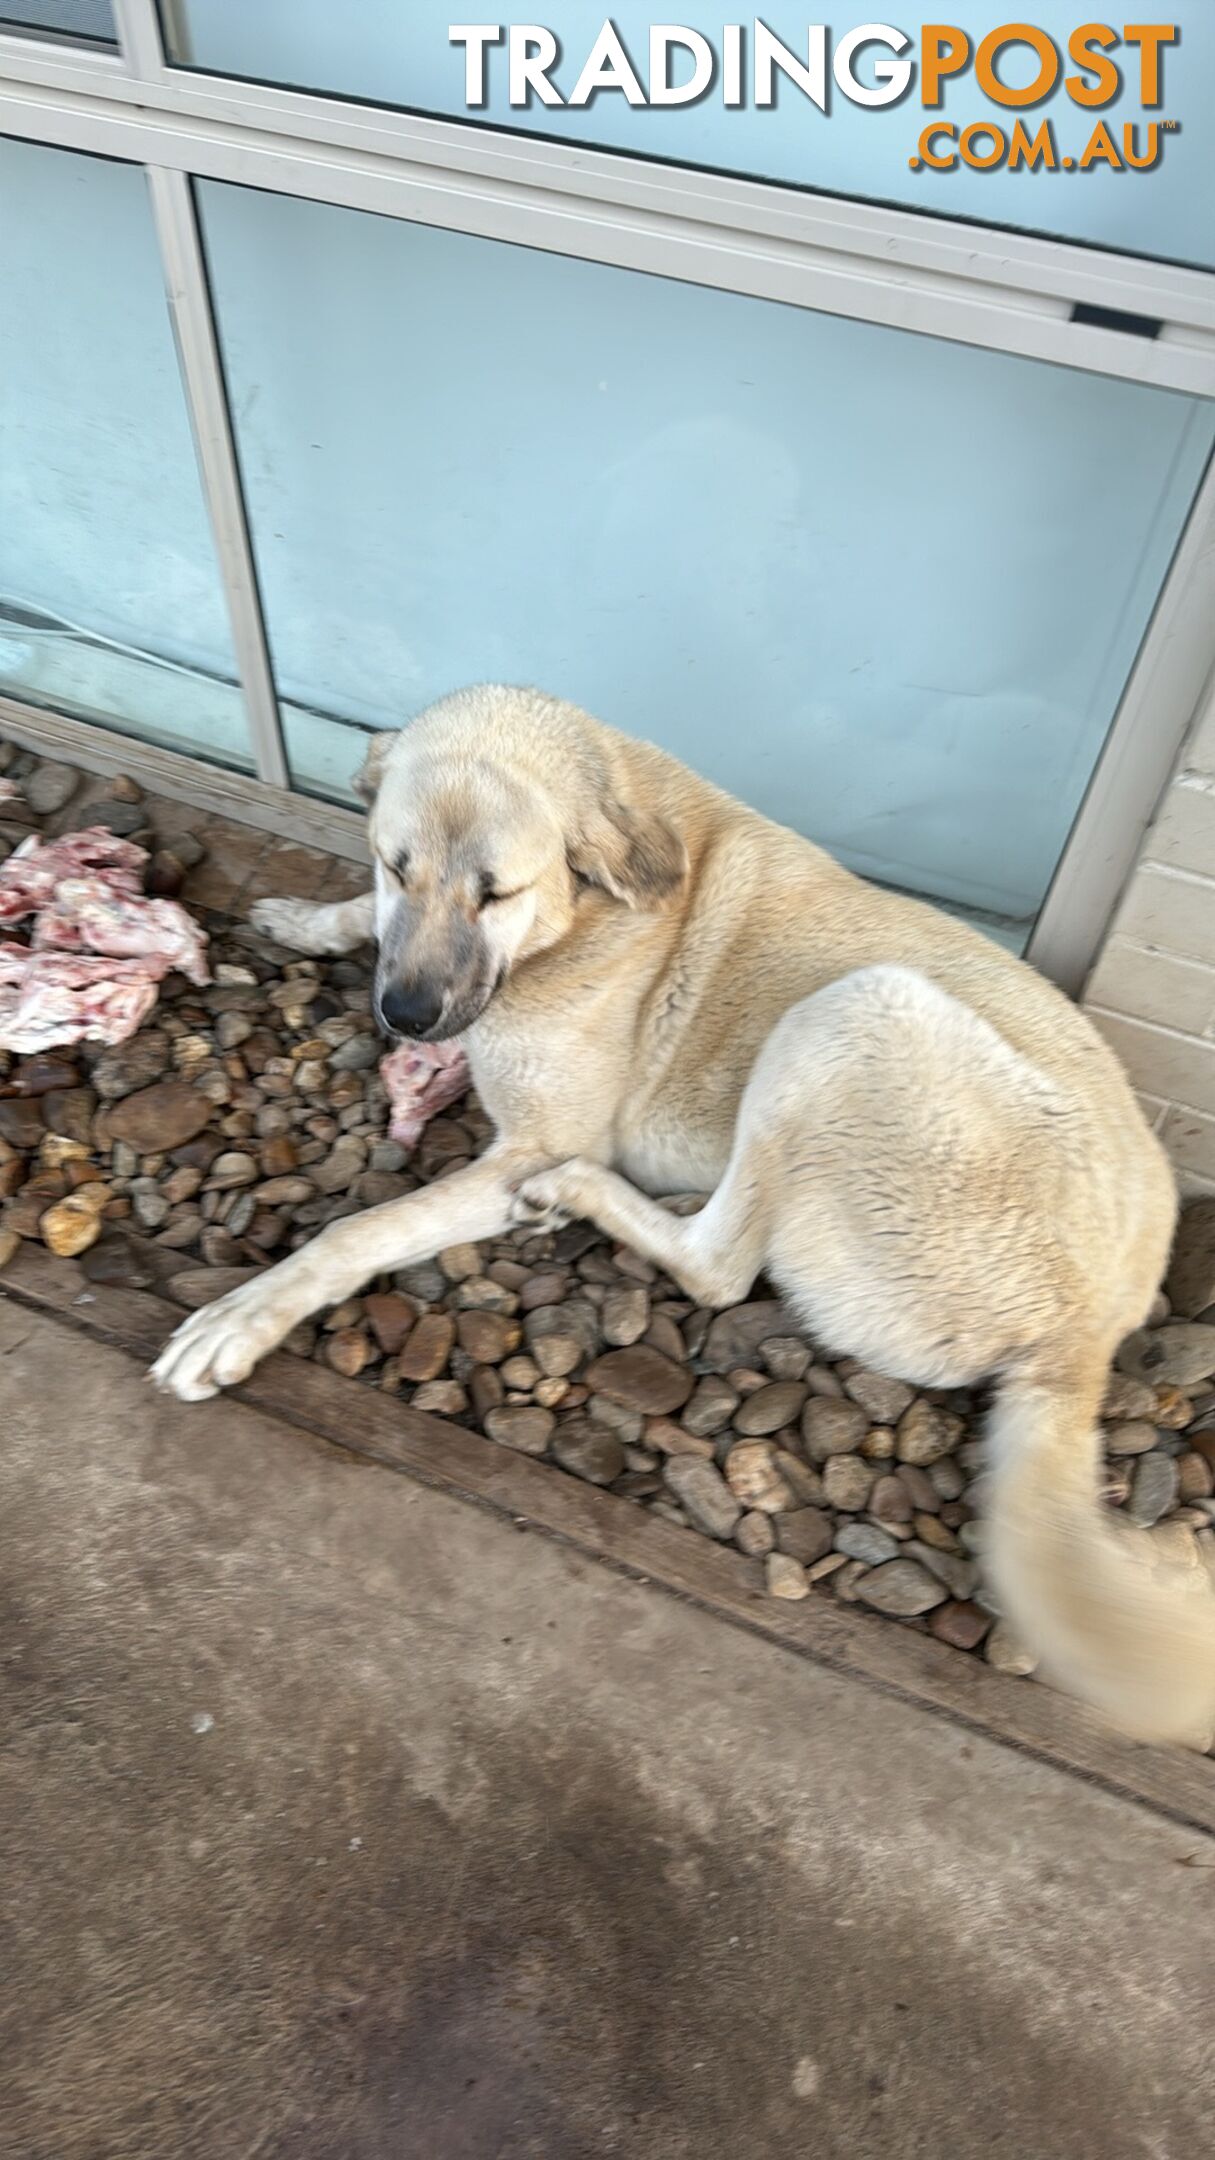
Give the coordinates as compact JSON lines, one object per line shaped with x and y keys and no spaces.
{"x":946,"y":52}
{"x":1109,"y":76}
{"x":1039,"y":151}
{"x":1150,"y":37}
{"x":970,"y":137}
{"x":1101,"y":149}
{"x":929,"y":155}
{"x":1129,"y":137}
{"x":1017,"y":33}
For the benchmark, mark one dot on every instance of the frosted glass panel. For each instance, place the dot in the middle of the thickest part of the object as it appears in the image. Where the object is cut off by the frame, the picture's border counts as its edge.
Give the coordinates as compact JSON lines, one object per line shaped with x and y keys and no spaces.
{"x":93,"y":19}
{"x":886,"y":588}
{"x":110,"y":603}
{"x":399,"y":53}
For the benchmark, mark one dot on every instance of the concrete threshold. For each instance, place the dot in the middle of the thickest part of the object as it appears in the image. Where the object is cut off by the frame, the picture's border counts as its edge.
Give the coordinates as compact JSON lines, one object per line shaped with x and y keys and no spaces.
{"x":1023,"y":1716}
{"x":342,"y":1821}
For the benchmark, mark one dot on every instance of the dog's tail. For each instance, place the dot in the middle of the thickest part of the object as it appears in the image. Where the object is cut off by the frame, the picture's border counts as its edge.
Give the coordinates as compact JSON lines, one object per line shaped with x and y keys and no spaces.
{"x":1113,"y":1619}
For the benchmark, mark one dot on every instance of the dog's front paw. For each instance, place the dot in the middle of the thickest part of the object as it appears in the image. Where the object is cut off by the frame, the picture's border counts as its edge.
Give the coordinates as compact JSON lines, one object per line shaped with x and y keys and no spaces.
{"x":219,"y":1345}
{"x":288,"y":922}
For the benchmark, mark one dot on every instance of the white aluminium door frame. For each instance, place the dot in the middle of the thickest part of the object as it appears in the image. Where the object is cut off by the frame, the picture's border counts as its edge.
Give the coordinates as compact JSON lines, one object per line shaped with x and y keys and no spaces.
{"x":1011,"y":292}
{"x":933,"y":276}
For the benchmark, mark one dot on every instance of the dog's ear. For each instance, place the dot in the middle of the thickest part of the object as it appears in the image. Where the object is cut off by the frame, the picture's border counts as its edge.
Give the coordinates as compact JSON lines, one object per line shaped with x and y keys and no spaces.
{"x":633,"y":854}
{"x":366,"y":782}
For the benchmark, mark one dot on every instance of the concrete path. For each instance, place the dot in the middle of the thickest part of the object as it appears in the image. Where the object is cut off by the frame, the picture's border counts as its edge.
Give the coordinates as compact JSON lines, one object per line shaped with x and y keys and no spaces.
{"x":341,"y":1820}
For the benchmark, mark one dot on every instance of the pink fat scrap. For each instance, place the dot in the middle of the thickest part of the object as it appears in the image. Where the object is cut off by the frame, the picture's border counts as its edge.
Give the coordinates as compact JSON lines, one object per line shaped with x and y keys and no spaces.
{"x":99,"y":947}
{"x":49,"y":999}
{"x":422,"y":1079}
{"x":86,"y":915}
{"x":30,"y":877}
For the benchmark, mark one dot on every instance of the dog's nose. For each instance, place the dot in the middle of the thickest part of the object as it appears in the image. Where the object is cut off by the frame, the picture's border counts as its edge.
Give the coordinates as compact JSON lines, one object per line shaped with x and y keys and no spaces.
{"x":410,"y":1008}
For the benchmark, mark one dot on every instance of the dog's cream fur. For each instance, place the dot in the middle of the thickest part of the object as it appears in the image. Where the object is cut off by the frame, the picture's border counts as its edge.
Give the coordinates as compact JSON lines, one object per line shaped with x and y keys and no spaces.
{"x":924,"y":1144}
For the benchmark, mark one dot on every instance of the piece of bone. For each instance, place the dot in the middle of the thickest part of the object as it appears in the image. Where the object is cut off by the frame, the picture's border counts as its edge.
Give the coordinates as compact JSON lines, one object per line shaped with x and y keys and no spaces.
{"x":422,"y":1079}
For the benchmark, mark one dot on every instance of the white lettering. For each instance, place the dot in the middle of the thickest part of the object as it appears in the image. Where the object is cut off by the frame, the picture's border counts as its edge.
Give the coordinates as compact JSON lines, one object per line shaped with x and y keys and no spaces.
{"x":474,"y":37}
{"x":533,"y":51}
{"x":893,"y":76}
{"x":732,"y":65}
{"x":664,"y":38}
{"x":608,"y":68}
{"x":810,"y":75}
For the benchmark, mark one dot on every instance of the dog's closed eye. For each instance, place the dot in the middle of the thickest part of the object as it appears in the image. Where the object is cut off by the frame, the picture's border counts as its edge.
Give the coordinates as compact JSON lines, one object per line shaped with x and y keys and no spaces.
{"x":489,"y":894}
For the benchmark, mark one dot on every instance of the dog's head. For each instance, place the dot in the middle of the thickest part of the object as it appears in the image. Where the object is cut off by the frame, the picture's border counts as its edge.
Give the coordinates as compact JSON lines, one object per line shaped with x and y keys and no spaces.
{"x":489,"y":814}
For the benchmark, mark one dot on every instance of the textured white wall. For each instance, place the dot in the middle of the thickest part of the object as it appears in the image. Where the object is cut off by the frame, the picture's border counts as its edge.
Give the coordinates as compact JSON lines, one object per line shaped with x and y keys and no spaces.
{"x":1152,"y":992}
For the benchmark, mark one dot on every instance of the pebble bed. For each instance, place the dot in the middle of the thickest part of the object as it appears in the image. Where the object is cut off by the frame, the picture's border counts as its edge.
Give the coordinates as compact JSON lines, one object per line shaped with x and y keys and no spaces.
{"x":245,"y":1116}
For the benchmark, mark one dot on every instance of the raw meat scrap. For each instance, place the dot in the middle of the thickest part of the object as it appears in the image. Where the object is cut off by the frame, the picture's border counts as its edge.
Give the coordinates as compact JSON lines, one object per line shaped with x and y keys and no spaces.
{"x":87,"y":915}
{"x":30,"y":877}
{"x":47,"y":999}
{"x":14,"y":959}
{"x":99,"y":947}
{"x":422,"y":1079}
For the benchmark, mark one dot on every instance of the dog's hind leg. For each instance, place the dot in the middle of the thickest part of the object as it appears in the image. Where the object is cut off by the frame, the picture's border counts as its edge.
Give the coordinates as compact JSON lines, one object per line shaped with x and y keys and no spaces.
{"x":311,"y":926}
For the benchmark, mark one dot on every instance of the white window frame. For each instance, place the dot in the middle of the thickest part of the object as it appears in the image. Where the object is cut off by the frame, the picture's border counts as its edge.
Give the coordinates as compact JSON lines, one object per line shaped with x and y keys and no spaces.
{"x":937,"y":277}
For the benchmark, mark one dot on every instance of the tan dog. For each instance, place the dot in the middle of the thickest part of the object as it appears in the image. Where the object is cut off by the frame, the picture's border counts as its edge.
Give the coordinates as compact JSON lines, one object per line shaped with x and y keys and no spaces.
{"x":925,"y":1145}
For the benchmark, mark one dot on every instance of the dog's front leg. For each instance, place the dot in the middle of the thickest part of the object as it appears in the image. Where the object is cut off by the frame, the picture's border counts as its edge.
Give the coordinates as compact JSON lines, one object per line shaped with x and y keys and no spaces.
{"x":714,"y":1255}
{"x":311,"y":926}
{"x":221,"y":1344}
